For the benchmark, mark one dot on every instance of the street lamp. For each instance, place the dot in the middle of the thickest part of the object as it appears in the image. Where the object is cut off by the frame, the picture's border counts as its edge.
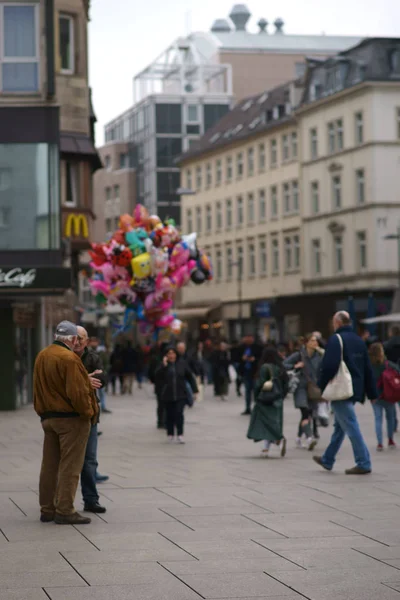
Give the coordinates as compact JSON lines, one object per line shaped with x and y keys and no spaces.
{"x":239,"y":265}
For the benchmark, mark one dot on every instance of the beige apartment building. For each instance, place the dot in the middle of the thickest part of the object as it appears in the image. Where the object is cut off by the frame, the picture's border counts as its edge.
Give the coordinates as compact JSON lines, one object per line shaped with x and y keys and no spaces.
{"x":245,"y":207}
{"x":299,"y":186}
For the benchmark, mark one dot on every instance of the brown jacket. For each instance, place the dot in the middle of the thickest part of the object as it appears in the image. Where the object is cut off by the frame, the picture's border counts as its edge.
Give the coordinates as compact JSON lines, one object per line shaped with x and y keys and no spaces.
{"x":61,"y":385}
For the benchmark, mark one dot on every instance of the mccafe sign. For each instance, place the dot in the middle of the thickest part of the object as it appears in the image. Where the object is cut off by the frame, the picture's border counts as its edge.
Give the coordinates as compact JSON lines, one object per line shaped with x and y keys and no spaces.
{"x":17,"y":277}
{"x":20,"y":279}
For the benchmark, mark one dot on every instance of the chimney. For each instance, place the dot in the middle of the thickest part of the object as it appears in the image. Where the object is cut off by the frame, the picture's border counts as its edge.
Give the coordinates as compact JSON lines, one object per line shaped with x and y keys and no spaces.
{"x":220,"y":25}
{"x":240,"y":14}
{"x":279,"y":25}
{"x":263,"y":24}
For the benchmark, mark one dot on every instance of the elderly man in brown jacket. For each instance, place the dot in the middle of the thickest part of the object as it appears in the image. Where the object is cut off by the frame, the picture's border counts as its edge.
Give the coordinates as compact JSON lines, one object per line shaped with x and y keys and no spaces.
{"x":66,"y":404}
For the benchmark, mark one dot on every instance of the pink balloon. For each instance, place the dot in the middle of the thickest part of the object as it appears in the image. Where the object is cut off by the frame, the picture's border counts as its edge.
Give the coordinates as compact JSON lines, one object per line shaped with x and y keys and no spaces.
{"x":97,"y":286}
{"x":165,"y":321}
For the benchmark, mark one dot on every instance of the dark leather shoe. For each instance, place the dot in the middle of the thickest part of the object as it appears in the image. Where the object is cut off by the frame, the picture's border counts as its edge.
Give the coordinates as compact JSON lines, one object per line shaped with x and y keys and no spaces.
{"x":357,"y":471}
{"x":105,"y":411}
{"x":46,"y":517}
{"x":95,"y":508}
{"x":74,"y":519}
{"x":318,"y":460}
{"x":101,"y":478}
{"x":246,"y":412}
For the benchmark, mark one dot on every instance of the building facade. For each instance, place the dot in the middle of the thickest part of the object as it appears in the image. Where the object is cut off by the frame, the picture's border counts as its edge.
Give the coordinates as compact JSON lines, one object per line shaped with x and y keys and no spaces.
{"x":296,"y":189}
{"x":36,"y":115}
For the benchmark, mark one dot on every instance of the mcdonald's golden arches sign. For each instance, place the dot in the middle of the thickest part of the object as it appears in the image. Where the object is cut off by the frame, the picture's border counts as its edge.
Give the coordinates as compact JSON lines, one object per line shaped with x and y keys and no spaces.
{"x":76,"y":226}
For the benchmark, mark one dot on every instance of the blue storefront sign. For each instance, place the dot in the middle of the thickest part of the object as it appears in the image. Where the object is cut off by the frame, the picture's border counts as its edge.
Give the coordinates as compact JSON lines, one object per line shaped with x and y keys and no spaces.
{"x":262,"y":309}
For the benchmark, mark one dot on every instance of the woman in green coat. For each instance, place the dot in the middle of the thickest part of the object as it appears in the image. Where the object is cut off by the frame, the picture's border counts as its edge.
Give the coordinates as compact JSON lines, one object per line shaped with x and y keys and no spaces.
{"x":266,"y":423}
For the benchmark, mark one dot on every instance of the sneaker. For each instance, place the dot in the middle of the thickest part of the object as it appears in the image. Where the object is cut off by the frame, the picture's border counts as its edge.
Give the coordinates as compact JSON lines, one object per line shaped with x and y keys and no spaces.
{"x":46,"y":517}
{"x":392,"y":445}
{"x":74,"y":519}
{"x":298,"y":443}
{"x":379,"y":448}
{"x":180,"y":440}
{"x":318,"y":460}
{"x":95,"y":508}
{"x":357,"y":471}
{"x":282,"y":447}
{"x":311,"y":444}
{"x":264,"y":452}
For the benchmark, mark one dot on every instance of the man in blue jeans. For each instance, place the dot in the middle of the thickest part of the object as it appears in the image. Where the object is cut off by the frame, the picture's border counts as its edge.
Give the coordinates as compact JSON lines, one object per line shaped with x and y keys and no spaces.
{"x":355,"y":355}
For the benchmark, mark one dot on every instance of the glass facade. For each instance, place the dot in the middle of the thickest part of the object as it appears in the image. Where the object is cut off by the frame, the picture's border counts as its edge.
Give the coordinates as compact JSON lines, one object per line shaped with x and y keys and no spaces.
{"x":29,"y":196}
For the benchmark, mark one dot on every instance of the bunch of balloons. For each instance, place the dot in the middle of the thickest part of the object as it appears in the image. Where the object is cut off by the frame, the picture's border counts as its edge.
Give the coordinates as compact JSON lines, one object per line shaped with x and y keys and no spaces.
{"x":143,"y":265}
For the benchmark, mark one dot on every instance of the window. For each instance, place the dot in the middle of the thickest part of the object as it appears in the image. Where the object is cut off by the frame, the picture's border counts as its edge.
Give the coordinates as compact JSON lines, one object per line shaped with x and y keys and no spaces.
{"x":288,"y":253}
{"x":398,"y":122}
{"x":116,"y":192}
{"x":108,"y":194}
{"x":314,"y":144}
{"x":208,"y":175}
{"x":294,"y":144}
{"x":295,"y":196}
{"x":168,"y":149}
{"x":218,"y":172}
{"x":239,"y":211}
{"x":208,"y":219}
{"x":198,"y":178}
{"x":263,"y":256}
{"x":273,"y":153}
{"x":252,"y":259}
{"x":189,"y":179}
{"x":229,"y":214}
{"x":360,"y":186}
{"x":109,"y":227}
{"x":19,"y":47}
{"x":316,"y":257}
{"x":72,"y":183}
{"x":261,"y":156}
{"x":250,"y":162}
{"x":339,"y":134}
{"x":275,"y":256}
{"x":285,"y":148}
{"x":286,"y":198}
{"x":274,"y":202}
{"x":198,"y":220}
{"x":239,"y":254}
{"x":338,"y":253}
{"x":123,"y":160}
{"x":192,"y":113}
{"x":359,"y":128}
{"x":296,"y":251}
{"x":331,"y":138}
{"x":218,"y":210}
{"x":229,"y":261}
{"x":107,"y":162}
{"x":315,"y":197}
{"x":229,"y":169}
{"x":362,"y":250}
{"x":189,"y":221}
{"x":239,"y":165}
{"x":250,"y":209}
{"x":67,"y":50}
{"x":337,"y":192}
{"x":262,"y":206}
{"x":218,"y":261}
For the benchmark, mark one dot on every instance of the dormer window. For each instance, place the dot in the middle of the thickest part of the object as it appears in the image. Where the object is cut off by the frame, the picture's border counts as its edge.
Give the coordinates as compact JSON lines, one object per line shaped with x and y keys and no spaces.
{"x":394,"y":59}
{"x":275,"y":113}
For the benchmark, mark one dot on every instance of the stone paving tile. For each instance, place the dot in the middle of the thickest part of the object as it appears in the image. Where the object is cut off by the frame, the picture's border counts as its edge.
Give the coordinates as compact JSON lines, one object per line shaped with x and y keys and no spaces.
{"x":175,"y":590}
{"x":21,"y":561}
{"x":36,"y":579}
{"x":335,"y":558}
{"x":105,"y":557}
{"x":24,"y":594}
{"x":239,"y":585}
{"x":124,"y":573}
{"x":225,"y":565}
{"x":351,"y":591}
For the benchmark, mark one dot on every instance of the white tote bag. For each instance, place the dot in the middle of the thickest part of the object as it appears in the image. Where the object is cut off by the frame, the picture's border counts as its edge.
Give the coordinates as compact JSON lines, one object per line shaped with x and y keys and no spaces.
{"x":341,"y":386}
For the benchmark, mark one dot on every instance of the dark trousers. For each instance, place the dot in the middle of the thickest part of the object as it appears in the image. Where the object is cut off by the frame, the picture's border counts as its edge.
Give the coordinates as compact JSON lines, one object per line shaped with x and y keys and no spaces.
{"x":88,"y":475}
{"x":113,"y":381}
{"x":249,"y":389}
{"x":160,"y":411}
{"x":174,"y":417}
{"x":306,"y":414}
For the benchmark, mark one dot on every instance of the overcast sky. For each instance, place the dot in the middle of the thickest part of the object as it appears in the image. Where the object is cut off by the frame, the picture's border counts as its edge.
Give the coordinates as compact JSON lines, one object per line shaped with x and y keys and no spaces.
{"x":126,"y":36}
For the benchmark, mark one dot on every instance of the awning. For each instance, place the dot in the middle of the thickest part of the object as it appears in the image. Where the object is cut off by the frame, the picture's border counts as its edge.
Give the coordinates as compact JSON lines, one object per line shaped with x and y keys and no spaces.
{"x":81,"y":145}
{"x":393,"y":318}
{"x":194,"y":312}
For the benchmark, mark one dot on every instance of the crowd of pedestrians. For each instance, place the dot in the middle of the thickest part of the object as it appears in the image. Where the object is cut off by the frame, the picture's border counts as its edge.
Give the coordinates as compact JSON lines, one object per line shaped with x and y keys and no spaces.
{"x":72,"y":376}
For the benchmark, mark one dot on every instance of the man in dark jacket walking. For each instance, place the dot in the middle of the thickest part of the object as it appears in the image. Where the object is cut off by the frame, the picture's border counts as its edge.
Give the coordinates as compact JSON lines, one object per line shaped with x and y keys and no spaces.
{"x":92,"y":363}
{"x":355,"y":355}
{"x":392,"y":346}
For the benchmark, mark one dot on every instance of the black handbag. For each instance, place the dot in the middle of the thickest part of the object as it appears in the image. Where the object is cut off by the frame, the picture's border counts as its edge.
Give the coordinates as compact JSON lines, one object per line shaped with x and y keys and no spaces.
{"x":271,"y":393}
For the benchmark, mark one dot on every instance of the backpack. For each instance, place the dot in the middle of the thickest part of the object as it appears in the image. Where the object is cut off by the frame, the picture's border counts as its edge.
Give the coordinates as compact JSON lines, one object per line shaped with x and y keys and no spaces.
{"x":390,"y":384}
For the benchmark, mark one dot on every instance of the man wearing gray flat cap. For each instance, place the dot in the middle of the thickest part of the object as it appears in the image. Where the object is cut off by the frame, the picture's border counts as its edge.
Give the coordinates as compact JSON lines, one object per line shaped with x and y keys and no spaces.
{"x":66,"y":404}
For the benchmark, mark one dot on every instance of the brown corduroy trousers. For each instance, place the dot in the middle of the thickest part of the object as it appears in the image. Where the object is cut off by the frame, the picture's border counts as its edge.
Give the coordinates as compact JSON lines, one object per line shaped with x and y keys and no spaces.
{"x":64,"y":450}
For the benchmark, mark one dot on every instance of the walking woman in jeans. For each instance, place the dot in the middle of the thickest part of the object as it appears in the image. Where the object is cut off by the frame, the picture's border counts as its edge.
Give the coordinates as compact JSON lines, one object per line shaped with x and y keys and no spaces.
{"x":171,"y":379}
{"x":381,"y":406}
{"x":307,"y":362}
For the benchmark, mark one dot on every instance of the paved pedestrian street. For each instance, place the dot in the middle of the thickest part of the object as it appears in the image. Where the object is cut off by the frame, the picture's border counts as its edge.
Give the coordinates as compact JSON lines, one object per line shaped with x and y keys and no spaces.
{"x":210,"y":519}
